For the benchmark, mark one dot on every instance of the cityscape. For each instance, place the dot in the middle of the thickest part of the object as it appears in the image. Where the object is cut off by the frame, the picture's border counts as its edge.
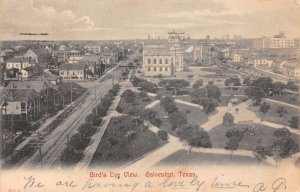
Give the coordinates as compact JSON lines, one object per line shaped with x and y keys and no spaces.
{"x":165,"y":98}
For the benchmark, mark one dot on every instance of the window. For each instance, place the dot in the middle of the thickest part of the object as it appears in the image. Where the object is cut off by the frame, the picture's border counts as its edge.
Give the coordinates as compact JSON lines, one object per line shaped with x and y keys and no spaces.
{"x":154,"y":61}
{"x":149,"y":68}
{"x":160,"y":61}
{"x":149,"y":61}
{"x":166,"y":68}
{"x":154,"y":68}
{"x":166,"y":61}
{"x":160,"y":68}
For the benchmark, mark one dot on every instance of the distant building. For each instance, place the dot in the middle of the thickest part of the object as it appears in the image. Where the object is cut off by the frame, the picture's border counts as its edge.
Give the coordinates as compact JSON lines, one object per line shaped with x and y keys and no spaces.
{"x":157,"y":60}
{"x":262,"y":62}
{"x":73,"y":71}
{"x":278,"y":41}
{"x":93,"y":48}
{"x":74,"y":56}
{"x":291,"y":68}
{"x":236,"y":58}
{"x":41,"y":56}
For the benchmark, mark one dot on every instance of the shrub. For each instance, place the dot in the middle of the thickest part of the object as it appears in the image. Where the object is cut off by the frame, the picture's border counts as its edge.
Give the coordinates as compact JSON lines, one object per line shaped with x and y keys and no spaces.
{"x":119,"y":109}
{"x":228,"y":118}
{"x":198,"y":84}
{"x":78,"y":142}
{"x":86,"y":130}
{"x":93,"y":119}
{"x":294,"y":123}
{"x":163,"y":135}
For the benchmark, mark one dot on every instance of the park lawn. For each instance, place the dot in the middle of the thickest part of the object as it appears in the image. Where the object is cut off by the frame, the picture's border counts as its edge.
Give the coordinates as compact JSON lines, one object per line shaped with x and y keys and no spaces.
{"x":224,"y":100}
{"x":286,"y":99}
{"x":262,"y":132}
{"x":273,"y":116}
{"x":194,"y":116}
{"x":224,"y":70}
{"x":181,"y":157}
{"x":126,"y":106}
{"x":115,"y":149}
{"x":234,"y":91}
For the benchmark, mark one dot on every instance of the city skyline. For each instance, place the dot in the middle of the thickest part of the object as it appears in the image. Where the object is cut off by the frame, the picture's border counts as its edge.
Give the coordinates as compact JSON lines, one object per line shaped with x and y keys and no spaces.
{"x":131,"y":19}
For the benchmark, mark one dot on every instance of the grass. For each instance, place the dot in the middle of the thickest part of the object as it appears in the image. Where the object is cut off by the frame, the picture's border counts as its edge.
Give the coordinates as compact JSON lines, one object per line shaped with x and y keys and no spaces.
{"x":286,"y":99}
{"x":126,"y":106}
{"x":262,"y":132}
{"x":116,"y":149}
{"x":224,"y":70}
{"x":273,"y":116}
{"x":194,"y":116}
{"x":181,"y":157}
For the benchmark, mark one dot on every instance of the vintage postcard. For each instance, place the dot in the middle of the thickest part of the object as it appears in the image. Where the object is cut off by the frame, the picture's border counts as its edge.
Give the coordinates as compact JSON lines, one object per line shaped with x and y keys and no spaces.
{"x":149,"y":95}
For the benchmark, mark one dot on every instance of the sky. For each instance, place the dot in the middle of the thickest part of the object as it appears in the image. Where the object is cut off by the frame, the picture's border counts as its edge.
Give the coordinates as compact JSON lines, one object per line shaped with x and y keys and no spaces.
{"x":135,"y":19}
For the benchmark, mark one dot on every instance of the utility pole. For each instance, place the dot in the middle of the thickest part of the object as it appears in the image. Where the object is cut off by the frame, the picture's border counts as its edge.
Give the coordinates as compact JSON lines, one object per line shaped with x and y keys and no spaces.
{"x":71,"y":93}
{"x":96,"y":100}
{"x":113,"y":78}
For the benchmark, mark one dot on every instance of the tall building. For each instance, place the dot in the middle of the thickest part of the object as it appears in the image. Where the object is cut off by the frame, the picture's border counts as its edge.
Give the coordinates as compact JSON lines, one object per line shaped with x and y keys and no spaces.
{"x":157,"y":60}
{"x":278,"y":41}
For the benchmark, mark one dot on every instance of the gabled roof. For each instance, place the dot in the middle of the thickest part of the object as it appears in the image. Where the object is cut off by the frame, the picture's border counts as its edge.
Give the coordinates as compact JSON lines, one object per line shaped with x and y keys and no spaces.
{"x":40,"y":51}
{"x":38,"y":86}
{"x":17,"y":95}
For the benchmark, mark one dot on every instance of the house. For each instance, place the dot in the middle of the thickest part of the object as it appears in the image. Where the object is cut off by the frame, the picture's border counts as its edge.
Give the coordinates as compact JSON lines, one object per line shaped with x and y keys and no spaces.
{"x":40,"y":55}
{"x":20,"y":103}
{"x":262,"y":62}
{"x":20,"y":68}
{"x":20,"y":63}
{"x":73,"y":71}
{"x":6,"y":54}
{"x":47,"y":95}
{"x":291,"y":68}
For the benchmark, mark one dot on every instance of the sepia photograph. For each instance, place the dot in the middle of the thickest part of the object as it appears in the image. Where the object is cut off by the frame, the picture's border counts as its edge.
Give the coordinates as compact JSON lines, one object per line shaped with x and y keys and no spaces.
{"x":160,"y":95}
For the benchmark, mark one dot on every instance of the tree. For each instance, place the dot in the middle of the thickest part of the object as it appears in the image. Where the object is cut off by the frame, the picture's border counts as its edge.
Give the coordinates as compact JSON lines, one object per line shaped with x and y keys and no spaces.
{"x":277,"y":87}
{"x":177,"y":119}
{"x":295,"y":123}
{"x":291,"y":85}
{"x":228,"y":119}
{"x":235,"y":136}
{"x":198,"y":84}
{"x":93,"y":119}
{"x":129,"y":96}
{"x":163,"y":135}
{"x":194,"y":136}
{"x":209,"y":104}
{"x":260,"y":152}
{"x":255,"y":93}
{"x":198,"y":94}
{"x":168,"y":104}
{"x":264,"y":108}
{"x":284,"y":145}
{"x":177,"y":84}
{"x":247,"y":82}
{"x":233,"y":80}
{"x":78,"y":142}
{"x":213,"y":91}
{"x":265,"y":83}
{"x":86,"y":130}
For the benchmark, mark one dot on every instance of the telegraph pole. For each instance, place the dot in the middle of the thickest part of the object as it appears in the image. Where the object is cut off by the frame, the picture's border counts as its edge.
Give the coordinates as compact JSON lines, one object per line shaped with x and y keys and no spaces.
{"x":96,"y":100}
